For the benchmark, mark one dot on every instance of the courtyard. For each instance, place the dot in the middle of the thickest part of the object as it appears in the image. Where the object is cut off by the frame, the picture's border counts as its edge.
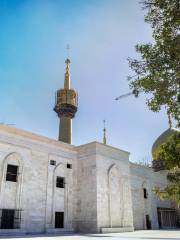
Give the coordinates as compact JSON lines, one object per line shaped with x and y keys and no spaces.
{"x":137,"y":235}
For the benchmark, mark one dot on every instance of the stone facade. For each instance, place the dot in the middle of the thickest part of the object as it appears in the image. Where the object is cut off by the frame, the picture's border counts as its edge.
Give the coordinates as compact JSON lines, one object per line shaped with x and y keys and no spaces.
{"x":145,"y":178}
{"x":103,"y":191}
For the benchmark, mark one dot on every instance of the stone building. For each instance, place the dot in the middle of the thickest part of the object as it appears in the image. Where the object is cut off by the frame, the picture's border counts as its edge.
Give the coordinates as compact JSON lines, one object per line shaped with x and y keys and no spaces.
{"x":53,"y":186}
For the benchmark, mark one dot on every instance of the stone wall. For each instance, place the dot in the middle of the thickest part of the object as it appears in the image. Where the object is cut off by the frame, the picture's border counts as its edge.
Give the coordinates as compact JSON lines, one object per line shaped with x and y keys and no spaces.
{"x":114,"y":203}
{"x":35,"y":193}
{"x":103,"y":190}
{"x":144,"y":177}
{"x":86,"y":218}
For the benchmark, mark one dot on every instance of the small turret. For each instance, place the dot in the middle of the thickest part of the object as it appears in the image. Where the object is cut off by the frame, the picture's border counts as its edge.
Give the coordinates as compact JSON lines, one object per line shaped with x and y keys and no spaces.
{"x":104,"y":133}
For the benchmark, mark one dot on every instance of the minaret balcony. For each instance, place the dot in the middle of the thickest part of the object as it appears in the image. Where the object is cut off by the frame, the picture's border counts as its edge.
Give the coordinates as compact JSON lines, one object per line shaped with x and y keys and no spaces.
{"x":66,"y":103}
{"x":66,"y":96}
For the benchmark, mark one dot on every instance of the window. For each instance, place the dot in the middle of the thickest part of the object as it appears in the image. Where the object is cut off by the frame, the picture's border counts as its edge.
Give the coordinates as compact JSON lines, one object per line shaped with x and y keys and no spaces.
{"x":145,"y":193}
{"x":148,"y":222}
{"x":60,"y":182}
{"x":69,"y":165}
{"x":10,"y":218}
{"x":11,"y":174}
{"x":52,"y":162}
{"x":59,"y":220}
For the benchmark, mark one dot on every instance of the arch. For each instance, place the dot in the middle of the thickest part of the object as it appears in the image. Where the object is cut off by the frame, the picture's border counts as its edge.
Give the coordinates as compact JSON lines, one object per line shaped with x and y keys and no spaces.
{"x":146,"y":206}
{"x":54,"y":179}
{"x":110,"y":168}
{"x":57,"y":166}
{"x":65,"y":193}
{"x":51,"y":197}
{"x":12,"y":157}
{"x":117,"y":186}
{"x":113,"y":166}
{"x":53,"y":191}
{"x":54,"y":176}
{"x":15,"y":156}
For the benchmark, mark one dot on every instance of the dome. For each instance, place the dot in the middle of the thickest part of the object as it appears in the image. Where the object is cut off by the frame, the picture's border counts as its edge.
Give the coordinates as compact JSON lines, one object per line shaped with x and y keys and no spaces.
{"x":162,"y":139}
{"x":158,"y":165}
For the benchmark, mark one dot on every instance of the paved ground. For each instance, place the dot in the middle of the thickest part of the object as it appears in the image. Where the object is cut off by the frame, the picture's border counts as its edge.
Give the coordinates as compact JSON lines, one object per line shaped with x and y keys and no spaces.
{"x":137,"y":235}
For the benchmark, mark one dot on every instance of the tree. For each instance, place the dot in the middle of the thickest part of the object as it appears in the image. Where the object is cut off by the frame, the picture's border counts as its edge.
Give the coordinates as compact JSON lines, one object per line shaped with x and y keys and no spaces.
{"x":157,"y":72}
{"x":169,"y":154}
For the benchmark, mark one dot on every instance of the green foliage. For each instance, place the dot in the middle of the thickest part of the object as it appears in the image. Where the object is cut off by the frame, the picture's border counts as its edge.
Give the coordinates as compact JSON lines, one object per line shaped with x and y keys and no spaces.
{"x":157,"y":73}
{"x":169,"y":153}
{"x":172,"y":191}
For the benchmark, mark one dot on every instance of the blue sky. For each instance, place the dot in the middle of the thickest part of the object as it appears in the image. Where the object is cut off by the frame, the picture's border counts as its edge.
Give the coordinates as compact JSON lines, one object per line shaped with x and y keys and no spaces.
{"x":102,"y":35}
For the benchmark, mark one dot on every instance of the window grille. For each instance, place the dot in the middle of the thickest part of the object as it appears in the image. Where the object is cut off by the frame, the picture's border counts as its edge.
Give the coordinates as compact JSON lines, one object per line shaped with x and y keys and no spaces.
{"x":52,"y":162}
{"x":59,"y":219}
{"x":167,"y":218}
{"x":145,"y":193}
{"x":69,"y":165}
{"x":60,"y":182}
{"x":12,"y":172}
{"x":10,"y":218}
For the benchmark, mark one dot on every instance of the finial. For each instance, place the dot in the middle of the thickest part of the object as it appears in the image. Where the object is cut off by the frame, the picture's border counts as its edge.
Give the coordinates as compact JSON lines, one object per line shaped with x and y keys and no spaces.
{"x":104,"y":130}
{"x":68,"y":50}
{"x":67,"y":73}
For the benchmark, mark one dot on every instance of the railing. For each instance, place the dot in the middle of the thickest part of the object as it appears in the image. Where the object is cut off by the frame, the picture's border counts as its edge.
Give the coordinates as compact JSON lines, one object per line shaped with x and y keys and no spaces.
{"x":66,"y":97}
{"x":167,"y":218}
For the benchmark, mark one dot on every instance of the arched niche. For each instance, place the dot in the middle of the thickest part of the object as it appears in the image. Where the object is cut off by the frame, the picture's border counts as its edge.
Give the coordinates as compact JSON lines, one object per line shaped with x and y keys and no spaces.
{"x":13,"y":158}
{"x":115,"y":196}
{"x":59,"y":195}
{"x":147,"y":215}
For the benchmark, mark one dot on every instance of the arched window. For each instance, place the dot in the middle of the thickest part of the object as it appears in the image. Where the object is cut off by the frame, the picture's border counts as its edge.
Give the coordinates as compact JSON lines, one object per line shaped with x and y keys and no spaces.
{"x":12,"y":171}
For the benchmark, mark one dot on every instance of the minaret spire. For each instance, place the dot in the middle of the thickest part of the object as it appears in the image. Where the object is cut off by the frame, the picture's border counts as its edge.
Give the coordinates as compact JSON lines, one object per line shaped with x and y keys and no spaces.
{"x":66,"y":106}
{"x":67,"y":80}
{"x":104,"y":135}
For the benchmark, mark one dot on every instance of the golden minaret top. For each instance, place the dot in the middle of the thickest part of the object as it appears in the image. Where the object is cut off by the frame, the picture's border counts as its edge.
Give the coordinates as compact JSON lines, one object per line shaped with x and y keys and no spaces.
{"x":67,"y":80}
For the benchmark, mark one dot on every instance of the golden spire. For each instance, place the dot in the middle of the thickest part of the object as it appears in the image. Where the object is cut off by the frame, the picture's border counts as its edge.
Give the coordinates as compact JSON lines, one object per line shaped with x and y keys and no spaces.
{"x":104,"y":130}
{"x":67,"y":73}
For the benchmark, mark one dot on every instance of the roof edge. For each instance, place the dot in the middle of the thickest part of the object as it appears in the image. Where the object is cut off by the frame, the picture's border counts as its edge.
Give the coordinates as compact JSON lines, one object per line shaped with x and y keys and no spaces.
{"x":33,"y":136}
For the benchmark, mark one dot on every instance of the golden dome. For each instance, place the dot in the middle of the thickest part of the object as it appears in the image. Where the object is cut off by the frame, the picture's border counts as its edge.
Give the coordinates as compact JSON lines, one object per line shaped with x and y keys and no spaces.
{"x":162,"y":139}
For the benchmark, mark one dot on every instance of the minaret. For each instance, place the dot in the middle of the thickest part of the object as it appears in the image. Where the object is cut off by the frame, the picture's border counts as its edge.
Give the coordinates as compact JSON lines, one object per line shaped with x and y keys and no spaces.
{"x":104,"y":135}
{"x":66,"y":107}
